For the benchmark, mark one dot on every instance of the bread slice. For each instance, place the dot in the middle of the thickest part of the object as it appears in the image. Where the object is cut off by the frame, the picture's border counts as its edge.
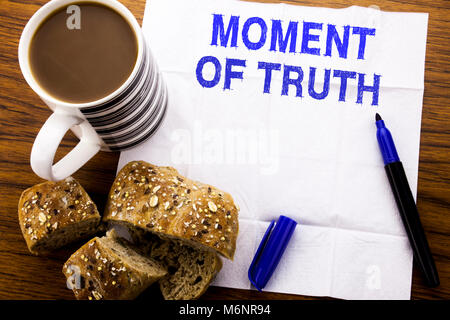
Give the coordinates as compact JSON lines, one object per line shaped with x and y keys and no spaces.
{"x":194,"y":271}
{"x":53,"y":214}
{"x":160,"y":200}
{"x":105,"y":268}
{"x":190,"y":270}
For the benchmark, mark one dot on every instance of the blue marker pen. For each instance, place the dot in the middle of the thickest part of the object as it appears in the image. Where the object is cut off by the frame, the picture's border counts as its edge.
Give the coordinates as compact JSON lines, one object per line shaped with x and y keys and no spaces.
{"x":406,"y":205}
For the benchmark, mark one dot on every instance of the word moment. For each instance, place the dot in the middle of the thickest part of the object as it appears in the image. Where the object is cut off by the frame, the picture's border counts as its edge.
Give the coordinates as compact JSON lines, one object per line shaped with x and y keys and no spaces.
{"x":290,"y":38}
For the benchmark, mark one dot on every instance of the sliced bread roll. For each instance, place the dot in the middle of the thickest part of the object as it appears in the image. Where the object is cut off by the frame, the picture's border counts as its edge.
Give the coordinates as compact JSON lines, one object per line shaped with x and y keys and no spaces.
{"x":160,"y":200}
{"x":106,"y":268}
{"x":53,"y":214}
{"x":190,"y":270}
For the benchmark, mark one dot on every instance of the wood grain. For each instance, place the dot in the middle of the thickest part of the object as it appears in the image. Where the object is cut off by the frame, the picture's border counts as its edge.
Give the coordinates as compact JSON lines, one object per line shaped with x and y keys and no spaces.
{"x":22,"y":113}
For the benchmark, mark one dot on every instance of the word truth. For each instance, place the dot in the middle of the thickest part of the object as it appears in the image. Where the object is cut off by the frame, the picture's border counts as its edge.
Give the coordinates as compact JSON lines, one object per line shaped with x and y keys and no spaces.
{"x":286,"y":39}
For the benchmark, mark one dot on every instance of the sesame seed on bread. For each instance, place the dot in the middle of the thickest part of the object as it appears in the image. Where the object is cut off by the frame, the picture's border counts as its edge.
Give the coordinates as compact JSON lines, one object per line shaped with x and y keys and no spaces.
{"x":160,"y":200}
{"x":108,"y":269}
{"x":53,"y":214}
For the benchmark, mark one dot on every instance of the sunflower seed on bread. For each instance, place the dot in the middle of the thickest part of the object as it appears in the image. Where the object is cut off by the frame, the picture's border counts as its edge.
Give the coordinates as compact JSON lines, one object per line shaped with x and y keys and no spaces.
{"x":53,"y":214}
{"x":108,"y":269}
{"x":160,"y":200}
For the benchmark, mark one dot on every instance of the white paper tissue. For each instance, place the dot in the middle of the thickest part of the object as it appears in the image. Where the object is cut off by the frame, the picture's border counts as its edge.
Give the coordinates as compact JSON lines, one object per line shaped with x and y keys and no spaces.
{"x":314,"y":160}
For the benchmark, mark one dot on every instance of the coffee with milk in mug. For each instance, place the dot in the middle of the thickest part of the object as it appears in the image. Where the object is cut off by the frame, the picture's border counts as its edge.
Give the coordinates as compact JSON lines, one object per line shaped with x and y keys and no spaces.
{"x":87,"y":61}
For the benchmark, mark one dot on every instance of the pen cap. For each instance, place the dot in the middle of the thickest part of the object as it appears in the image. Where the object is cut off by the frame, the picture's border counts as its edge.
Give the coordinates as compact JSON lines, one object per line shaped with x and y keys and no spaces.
{"x":270,"y":251}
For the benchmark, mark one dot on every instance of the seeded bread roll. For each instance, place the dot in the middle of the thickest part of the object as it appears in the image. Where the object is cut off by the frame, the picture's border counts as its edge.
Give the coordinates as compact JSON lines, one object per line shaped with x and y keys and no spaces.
{"x":190,"y":270}
{"x":162,"y":201}
{"x":105,"y":268}
{"x":53,"y":214}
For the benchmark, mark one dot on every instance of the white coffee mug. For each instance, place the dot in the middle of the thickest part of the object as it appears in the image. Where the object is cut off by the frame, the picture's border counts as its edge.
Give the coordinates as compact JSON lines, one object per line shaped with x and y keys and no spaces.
{"x":119,"y":121}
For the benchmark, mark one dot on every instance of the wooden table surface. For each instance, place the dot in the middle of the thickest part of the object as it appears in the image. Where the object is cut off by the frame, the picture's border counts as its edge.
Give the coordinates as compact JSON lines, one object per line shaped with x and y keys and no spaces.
{"x":22,"y":113}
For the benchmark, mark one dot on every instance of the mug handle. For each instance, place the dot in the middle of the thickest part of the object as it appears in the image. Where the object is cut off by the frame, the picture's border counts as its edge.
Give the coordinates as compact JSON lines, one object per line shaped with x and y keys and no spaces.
{"x":48,"y":140}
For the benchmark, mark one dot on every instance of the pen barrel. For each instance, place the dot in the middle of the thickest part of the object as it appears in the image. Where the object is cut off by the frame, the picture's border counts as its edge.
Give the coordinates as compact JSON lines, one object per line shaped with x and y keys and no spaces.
{"x":411,"y":220}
